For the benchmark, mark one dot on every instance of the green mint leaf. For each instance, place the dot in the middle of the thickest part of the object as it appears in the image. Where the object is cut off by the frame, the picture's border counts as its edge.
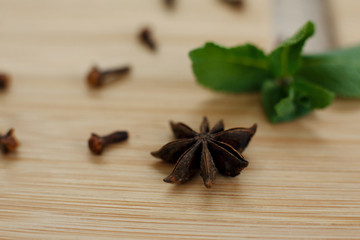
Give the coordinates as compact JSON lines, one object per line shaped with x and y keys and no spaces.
{"x":286,"y":59}
{"x":238,"y":69}
{"x":298,"y":99}
{"x":338,"y":71}
{"x":318,"y":96}
{"x":271,"y":94}
{"x":286,"y":106}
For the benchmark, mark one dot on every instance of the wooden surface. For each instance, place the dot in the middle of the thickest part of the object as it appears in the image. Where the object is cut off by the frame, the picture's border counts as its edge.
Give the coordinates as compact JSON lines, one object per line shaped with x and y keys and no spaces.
{"x":303,"y":178}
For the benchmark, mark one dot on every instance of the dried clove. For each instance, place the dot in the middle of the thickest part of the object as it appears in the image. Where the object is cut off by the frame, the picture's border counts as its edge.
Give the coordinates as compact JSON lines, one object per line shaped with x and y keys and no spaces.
{"x":234,"y":3}
{"x":97,"y":77}
{"x":4,"y":81}
{"x":97,"y":143}
{"x":146,"y":38}
{"x":169,"y":3}
{"x":8,"y":142}
{"x":210,"y":151}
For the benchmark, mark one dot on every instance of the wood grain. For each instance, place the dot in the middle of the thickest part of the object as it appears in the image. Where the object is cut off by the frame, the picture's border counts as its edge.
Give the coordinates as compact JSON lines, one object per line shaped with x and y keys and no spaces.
{"x":303,"y":178}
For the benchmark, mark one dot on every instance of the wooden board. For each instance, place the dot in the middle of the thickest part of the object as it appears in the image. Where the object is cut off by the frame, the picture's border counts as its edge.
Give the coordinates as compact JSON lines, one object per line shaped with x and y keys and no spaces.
{"x":303,"y":178}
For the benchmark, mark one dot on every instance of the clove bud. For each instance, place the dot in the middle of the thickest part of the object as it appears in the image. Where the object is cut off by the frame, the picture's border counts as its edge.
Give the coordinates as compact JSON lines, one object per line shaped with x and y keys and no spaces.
{"x":98,"y":143}
{"x":234,"y":3}
{"x":8,"y":142}
{"x":146,"y":37}
{"x":4,"y":81}
{"x":97,"y":77}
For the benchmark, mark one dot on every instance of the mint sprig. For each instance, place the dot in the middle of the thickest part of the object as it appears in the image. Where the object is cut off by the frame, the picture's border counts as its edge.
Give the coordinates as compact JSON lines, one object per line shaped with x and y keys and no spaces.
{"x":292,"y":85}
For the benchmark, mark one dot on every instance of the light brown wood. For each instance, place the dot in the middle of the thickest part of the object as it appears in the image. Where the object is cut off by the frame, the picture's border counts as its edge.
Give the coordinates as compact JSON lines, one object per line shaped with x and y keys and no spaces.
{"x":303,"y":178}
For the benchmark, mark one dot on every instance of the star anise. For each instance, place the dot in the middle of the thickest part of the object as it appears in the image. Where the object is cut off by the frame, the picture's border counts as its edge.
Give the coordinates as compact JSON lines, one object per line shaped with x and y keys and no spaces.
{"x":210,"y":151}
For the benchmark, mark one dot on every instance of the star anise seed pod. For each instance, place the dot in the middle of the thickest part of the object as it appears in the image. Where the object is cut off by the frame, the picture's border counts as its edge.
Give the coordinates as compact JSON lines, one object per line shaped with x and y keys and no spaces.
{"x":209,"y":150}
